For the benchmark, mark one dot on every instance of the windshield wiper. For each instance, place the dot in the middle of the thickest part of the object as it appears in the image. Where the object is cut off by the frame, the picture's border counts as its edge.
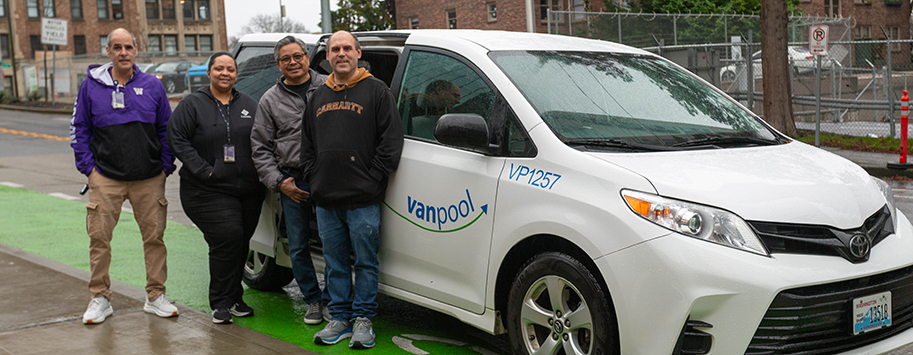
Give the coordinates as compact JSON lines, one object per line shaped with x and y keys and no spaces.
{"x":618,"y":143}
{"x":730,"y":141}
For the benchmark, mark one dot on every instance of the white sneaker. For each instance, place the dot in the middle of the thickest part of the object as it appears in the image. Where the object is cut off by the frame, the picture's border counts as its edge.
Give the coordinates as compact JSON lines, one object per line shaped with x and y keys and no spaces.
{"x":162,"y":307}
{"x":99,"y":309}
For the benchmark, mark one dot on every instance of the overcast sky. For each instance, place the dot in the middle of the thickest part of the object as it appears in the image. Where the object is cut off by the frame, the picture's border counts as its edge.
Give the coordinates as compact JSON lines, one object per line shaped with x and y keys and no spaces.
{"x":239,"y":12}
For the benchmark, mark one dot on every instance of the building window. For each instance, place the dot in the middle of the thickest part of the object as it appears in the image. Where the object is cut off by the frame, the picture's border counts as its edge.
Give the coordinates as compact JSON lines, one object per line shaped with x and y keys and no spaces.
{"x":49,"y":8}
{"x":152,"y":9}
{"x":117,"y":9}
{"x":79,"y":45}
{"x":171,"y":44}
{"x":104,"y":44}
{"x":451,"y":19}
{"x":203,"y":6}
{"x":579,"y":9}
{"x":492,"y":12}
{"x":155,"y":44}
{"x":544,"y":6}
{"x":187,"y":9}
{"x":863,"y":32}
{"x":4,"y":45}
{"x":413,"y":23}
{"x":102,"y":9}
{"x":168,"y":9}
{"x":832,"y":8}
{"x":76,"y":9}
{"x":35,"y":43}
{"x":206,"y":43}
{"x":894,"y":34}
{"x":32,"y":6}
{"x":2,"y":8}
{"x":190,"y":43}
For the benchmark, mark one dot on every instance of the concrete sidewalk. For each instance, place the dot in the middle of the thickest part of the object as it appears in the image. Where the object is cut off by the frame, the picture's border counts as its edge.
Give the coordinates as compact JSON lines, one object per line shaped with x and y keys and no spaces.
{"x":43,"y":302}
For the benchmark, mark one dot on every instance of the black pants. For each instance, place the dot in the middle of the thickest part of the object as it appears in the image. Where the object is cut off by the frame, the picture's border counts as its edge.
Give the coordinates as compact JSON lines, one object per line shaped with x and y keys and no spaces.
{"x":227,"y":223}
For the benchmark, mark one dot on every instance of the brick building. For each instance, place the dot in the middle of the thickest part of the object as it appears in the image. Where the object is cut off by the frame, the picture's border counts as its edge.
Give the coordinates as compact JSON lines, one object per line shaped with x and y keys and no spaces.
{"x":164,"y":26}
{"x":869,"y":15}
{"x":508,"y":15}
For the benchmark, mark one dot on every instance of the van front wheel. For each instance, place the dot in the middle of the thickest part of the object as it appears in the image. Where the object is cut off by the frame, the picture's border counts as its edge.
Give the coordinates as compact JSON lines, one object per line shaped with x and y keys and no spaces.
{"x":262,"y":273}
{"x":557,"y":306}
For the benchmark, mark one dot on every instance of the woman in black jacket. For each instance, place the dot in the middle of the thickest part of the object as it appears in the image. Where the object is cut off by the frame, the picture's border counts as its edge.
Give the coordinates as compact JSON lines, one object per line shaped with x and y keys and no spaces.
{"x":209,"y":132}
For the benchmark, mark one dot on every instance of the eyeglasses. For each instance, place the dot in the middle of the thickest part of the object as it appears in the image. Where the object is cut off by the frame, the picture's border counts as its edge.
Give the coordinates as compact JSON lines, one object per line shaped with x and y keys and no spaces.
{"x":286,"y":60}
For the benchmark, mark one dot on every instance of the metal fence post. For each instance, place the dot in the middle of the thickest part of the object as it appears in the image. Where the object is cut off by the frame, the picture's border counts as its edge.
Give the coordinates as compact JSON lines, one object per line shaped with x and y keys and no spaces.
{"x":619,"y":28}
{"x":749,"y":69}
{"x":817,"y":101}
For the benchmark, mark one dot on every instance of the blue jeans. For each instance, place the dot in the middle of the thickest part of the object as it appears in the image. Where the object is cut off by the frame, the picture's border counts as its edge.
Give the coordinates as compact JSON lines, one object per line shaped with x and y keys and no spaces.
{"x":344,"y":232}
{"x":297,"y":227}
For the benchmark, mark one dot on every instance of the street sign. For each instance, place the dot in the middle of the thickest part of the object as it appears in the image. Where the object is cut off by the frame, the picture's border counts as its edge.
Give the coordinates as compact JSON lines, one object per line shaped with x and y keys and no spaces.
{"x":817,"y":39}
{"x":53,"y":31}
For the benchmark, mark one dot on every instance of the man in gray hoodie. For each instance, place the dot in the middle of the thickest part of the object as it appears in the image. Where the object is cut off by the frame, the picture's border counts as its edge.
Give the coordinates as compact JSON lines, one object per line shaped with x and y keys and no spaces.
{"x":276,"y":144}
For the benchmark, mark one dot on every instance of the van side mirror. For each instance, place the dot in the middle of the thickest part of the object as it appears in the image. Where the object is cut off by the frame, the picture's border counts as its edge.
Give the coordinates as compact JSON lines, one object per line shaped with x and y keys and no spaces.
{"x":464,"y":130}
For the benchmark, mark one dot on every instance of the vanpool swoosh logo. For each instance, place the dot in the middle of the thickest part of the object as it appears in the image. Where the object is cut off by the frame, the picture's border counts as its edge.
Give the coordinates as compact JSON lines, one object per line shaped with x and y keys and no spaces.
{"x":463,"y":213}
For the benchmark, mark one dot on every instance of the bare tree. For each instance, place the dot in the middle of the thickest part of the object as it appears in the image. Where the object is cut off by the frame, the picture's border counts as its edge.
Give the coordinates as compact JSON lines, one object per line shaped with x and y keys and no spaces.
{"x":263,"y":23}
{"x":775,"y":66}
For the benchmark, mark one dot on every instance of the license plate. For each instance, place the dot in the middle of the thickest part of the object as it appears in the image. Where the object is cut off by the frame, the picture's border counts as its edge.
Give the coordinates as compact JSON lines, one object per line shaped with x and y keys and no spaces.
{"x":871,"y":312}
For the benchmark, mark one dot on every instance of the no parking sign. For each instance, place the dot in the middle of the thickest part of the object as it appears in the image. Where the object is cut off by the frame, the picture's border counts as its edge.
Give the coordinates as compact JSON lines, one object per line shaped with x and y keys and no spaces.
{"x":817,"y":40}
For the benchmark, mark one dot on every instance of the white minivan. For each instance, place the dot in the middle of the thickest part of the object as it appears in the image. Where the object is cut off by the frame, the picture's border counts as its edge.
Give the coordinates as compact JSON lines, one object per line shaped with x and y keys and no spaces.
{"x":591,"y":198}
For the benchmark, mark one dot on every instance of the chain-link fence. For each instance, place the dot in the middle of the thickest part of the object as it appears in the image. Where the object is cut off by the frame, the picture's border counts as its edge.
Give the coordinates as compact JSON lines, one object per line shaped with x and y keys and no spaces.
{"x":860,"y":82}
{"x":59,"y":77}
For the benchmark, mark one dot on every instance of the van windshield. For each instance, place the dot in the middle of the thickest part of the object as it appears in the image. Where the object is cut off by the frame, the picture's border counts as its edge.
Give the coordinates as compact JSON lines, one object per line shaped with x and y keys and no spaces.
{"x":630,"y":102}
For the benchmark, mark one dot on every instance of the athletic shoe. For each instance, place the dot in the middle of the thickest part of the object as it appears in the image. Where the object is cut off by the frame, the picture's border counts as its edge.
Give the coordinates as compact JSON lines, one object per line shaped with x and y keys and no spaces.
{"x":161,"y":306}
{"x":241,"y":310}
{"x":362,"y":335}
{"x":221,"y":316}
{"x":316,"y":314}
{"x":99,"y":309}
{"x":335,"y":331}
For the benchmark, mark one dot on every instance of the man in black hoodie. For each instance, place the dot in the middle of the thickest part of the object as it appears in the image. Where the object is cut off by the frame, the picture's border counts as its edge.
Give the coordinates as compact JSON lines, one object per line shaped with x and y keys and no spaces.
{"x":352,"y":139}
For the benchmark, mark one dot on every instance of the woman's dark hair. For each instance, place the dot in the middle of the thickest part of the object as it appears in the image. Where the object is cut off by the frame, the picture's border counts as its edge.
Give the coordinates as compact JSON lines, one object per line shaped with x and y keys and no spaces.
{"x":212,"y":59}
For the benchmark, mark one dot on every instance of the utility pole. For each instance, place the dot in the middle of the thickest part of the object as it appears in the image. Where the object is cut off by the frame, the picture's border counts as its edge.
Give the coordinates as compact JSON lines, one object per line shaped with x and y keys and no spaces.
{"x":778,"y":110}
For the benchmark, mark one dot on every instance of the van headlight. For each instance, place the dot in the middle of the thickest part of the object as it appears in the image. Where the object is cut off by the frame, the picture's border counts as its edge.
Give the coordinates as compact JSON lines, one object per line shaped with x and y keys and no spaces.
{"x":694,"y":220}
{"x":888,"y":197}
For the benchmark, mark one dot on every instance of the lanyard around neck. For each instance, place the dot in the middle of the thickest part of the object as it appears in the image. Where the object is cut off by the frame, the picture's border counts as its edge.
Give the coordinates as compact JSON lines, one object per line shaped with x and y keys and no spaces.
{"x":225,"y":118}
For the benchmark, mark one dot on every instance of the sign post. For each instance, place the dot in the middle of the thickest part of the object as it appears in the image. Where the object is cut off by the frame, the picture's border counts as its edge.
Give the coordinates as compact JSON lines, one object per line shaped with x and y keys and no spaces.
{"x":53,"y":32}
{"x":817,"y":45}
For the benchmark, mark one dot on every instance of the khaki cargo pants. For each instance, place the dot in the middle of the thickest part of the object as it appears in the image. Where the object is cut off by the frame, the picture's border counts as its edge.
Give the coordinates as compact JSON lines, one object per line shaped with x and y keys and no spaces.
{"x":106,"y":197}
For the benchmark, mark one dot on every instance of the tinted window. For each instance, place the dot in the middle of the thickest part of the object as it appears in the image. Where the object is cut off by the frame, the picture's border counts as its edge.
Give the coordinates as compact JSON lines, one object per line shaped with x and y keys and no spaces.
{"x":257,"y":70}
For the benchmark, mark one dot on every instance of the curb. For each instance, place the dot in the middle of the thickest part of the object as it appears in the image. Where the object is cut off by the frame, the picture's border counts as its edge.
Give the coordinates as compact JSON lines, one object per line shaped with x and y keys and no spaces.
{"x":36,"y":109}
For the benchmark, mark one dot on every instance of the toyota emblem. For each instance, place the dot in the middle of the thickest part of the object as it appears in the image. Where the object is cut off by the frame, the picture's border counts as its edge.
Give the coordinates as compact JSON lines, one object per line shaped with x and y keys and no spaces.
{"x":860,"y":246}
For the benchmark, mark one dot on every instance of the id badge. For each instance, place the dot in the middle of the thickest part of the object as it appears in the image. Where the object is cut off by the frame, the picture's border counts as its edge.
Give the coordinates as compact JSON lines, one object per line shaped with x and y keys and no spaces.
{"x":229,"y":156}
{"x":117,"y":99}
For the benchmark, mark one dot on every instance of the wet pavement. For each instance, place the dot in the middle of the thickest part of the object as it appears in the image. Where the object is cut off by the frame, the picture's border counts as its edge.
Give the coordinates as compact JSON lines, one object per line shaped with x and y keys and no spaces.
{"x":43,"y":302}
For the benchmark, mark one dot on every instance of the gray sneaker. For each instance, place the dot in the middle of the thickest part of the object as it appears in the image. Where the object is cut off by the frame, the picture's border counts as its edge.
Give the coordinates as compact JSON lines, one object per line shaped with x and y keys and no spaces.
{"x":335,"y":331}
{"x":316,"y":314}
{"x":362,"y":335}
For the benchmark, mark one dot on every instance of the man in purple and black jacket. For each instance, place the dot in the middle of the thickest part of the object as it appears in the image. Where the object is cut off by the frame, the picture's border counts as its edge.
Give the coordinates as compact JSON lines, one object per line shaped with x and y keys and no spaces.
{"x":118,"y":134}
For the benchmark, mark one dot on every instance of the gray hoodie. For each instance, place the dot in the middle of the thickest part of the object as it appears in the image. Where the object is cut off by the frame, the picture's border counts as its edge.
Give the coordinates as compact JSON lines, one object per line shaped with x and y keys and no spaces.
{"x":276,"y":136}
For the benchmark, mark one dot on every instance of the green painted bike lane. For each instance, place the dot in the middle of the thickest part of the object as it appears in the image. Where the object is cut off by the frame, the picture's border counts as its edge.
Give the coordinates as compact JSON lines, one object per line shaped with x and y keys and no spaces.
{"x":54,"y":228}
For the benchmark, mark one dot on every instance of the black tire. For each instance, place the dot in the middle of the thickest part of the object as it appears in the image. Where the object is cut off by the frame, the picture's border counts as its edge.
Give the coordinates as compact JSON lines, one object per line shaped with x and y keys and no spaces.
{"x":728,"y":76}
{"x":170,"y":86}
{"x":261,"y":273}
{"x":581,"y":323}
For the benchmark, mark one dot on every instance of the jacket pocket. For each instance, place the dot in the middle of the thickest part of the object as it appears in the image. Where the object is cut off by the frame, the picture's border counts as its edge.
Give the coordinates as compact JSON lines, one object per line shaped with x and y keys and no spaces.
{"x":340,"y":175}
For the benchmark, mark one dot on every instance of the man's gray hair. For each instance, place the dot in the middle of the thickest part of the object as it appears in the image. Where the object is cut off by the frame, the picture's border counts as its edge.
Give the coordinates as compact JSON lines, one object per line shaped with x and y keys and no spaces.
{"x":121,"y":29}
{"x":287,"y":40}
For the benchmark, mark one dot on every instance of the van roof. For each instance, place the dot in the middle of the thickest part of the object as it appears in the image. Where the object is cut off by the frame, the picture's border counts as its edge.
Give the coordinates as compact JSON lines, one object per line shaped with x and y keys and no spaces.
{"x":308,"y":38}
